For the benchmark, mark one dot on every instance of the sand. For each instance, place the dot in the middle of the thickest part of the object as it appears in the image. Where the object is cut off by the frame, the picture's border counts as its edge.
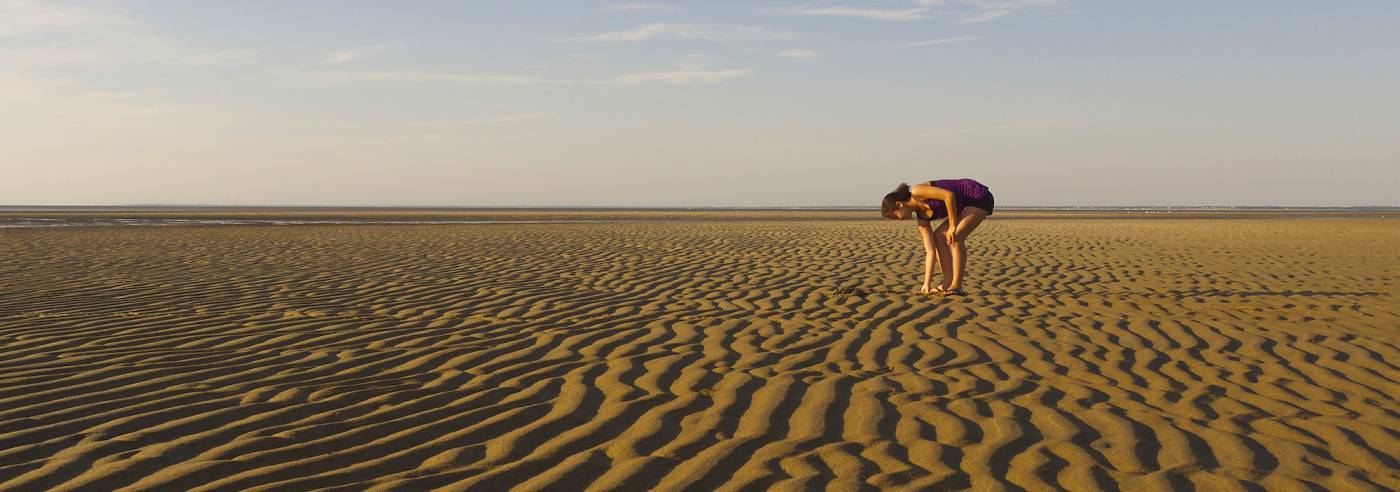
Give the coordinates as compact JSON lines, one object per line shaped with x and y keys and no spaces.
{"x":1135,"y":354}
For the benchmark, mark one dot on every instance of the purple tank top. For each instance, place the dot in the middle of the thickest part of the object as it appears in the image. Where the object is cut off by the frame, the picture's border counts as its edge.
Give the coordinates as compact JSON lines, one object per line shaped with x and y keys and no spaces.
{"x":965,"y":191}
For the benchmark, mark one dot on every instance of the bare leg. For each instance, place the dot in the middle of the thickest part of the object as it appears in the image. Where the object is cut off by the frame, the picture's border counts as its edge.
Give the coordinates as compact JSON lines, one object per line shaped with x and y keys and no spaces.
{"x":971,"y":218}
{"x":945,"y":256}
{"x":930,"y":260}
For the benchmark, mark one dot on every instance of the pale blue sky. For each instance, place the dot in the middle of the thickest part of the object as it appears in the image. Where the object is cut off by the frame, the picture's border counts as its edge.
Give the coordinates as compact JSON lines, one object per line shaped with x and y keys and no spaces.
{"x":502,"y":103}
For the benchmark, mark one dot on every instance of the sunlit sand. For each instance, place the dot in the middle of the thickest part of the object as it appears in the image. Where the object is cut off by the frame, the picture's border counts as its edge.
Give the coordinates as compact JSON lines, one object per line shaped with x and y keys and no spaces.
{"x":763,"y":351}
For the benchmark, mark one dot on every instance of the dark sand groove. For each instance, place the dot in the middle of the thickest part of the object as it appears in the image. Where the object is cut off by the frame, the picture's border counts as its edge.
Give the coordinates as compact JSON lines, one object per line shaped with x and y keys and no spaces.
{"x":1133,"y":354}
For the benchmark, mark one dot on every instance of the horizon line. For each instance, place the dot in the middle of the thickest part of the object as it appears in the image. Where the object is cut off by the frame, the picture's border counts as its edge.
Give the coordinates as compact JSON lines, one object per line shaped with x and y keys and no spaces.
{"x":8,"y":207}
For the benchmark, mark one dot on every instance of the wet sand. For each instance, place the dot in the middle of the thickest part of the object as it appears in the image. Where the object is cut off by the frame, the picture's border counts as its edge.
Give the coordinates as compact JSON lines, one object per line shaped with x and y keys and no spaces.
{"x":746,"y":350}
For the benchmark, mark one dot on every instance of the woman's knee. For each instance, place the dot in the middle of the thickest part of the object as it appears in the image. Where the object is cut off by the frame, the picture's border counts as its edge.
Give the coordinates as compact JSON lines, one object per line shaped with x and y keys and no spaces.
{"x":962,"y":234}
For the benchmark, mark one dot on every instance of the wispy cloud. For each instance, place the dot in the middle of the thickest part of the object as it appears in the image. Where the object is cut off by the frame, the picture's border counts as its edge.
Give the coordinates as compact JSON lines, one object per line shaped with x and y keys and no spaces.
{"x":464,"y":77}
{"x":936,"y":42}
{"x":1012,"y":126}
{"x":485,"y":129}
{"x":636,"y":7}
{"x":64,"y":98}
{"x":959,"y":11}
{"x":418,"y":139}
{"x":126,"y":52}
{"x":24,"y":17}
{"x":721,"y":33}
{"x":681,"y":77}
{"x":690,"y":70}
{"x":798,"y":53}
{"x":983,"y":16}
{"x":49,"y":91}
{"x":78,"y":72}
{"x":339,"y":57}
{"x":55,"y":35}
{"x":491,"y":120}
{"x":864,"y":13}
{"x":349,"y":54}
{"x":47,"y":114}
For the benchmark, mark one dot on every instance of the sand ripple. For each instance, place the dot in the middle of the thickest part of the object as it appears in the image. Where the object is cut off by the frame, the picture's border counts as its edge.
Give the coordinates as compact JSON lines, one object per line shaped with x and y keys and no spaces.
{"x":1214,"y":355}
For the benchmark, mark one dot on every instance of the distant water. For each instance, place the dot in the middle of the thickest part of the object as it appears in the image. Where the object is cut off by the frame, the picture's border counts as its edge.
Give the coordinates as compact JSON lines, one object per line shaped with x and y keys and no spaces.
{"x":28,"y":222}
{"x":19,"y":216}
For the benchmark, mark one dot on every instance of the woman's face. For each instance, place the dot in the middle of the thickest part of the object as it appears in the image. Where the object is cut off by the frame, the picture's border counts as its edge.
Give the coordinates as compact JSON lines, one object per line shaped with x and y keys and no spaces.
{"x":902,"y":211}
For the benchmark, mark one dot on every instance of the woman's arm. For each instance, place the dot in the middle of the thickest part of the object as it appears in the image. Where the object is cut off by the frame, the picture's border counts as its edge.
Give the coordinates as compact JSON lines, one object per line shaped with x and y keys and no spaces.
{"x":952,"y":203}
{"x":949,"y":200}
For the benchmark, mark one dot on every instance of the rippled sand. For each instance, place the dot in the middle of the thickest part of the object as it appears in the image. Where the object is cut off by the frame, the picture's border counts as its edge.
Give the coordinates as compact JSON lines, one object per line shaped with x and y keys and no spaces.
{"x":1089,"y":354}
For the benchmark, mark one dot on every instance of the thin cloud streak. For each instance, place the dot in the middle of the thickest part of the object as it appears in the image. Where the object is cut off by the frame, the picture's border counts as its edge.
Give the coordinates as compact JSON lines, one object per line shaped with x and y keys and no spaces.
{"x":474,"y":78}
{"x":690,"y":70}
{"x":24,"y":18}
{"x":962,"y":11}
{"x":1012,"y":126}
{"x":936,"y":42}
{"x":989,"y":15}
{"x":494,"y":120}
{"x":339,"y":57}
{"x":636,"y":7}
{"x":801,"y":54}
{"x":720,"y":33}
{"x":864,"y":13}
{"x":62,"y":36}
{"x":132,"y":51}
{"x":681,"y":77}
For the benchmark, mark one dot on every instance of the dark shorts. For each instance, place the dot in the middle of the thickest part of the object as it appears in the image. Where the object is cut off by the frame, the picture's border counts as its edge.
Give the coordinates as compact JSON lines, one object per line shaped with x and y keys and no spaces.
{"x":987,"y":202}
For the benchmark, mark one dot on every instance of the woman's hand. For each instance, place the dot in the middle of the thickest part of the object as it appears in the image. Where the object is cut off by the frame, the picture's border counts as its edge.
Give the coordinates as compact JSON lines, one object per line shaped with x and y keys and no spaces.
{"x":952,"y":235}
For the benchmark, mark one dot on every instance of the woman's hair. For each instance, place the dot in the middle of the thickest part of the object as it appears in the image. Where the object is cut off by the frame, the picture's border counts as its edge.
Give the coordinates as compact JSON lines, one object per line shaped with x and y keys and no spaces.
{"x":900,"y":194}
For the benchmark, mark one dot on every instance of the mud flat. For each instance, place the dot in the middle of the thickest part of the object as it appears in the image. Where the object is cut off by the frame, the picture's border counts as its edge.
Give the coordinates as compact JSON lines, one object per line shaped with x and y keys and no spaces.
{"x":1214,"y":353}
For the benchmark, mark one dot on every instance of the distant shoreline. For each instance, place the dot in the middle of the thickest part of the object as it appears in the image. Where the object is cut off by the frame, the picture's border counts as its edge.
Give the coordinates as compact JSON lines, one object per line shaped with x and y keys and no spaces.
{"x":45,"y":218}
{"x":330,"y":208}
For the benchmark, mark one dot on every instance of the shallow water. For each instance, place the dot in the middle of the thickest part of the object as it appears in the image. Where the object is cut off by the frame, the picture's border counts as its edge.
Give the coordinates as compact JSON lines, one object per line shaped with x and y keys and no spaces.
{"x":34,"y":222}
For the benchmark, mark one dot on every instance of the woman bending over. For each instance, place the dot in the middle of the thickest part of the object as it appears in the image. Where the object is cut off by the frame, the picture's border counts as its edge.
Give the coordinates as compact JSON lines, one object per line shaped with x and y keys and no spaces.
{"x":964,"y":202}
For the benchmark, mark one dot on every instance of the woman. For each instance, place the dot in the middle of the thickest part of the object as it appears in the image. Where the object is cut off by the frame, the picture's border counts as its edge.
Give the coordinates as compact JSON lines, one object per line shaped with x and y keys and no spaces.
{"x":964,"y":202}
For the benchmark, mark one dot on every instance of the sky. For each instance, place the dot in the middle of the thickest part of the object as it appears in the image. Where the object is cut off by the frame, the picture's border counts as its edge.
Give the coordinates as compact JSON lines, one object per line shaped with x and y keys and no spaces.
{"x":700,"y":103}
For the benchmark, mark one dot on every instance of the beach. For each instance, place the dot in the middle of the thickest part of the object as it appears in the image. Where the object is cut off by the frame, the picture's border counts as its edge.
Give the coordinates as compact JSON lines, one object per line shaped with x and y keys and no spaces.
{"x":702,"y":351}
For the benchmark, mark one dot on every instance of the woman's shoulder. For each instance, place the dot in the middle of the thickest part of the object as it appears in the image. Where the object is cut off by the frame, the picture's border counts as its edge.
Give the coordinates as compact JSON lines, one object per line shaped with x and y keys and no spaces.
{"x":960,"y":184}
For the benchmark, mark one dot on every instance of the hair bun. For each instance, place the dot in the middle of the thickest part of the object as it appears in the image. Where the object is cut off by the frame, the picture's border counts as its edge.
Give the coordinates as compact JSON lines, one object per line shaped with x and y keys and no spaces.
{"x":892,"y":200}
